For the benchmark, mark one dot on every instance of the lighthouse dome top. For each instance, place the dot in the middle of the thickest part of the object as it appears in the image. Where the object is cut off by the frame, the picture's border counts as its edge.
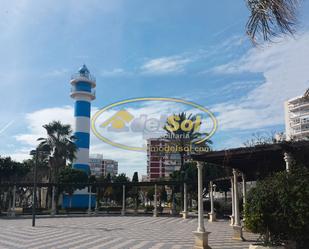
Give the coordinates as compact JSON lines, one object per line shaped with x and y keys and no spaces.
{"x":83,"y":74}
{"x":83,"y":70}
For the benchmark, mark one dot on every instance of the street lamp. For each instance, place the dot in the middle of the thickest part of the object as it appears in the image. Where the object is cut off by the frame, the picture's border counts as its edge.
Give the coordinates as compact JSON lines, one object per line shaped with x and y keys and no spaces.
{"x":35,"y":176}
{"x":214,"y":187}
{"x":35,"y":154}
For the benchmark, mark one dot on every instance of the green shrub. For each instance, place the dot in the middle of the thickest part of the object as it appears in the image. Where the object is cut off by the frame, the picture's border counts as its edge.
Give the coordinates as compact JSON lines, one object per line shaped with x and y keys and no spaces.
{"x":148,"y":209}
{"x":110,"y":209}
{"x":278,"y":208}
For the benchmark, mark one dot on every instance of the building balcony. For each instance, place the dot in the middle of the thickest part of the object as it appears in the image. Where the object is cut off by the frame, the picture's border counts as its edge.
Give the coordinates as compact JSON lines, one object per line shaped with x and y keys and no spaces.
{"x":299,"y":114}
{"x":303,"y":130}
{"x":299,"y":106}
{"x":300,"y":122}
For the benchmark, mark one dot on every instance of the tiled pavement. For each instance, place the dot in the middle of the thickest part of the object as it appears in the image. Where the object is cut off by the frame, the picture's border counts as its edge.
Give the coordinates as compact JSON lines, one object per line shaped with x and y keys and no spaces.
{"x":112,"y":232}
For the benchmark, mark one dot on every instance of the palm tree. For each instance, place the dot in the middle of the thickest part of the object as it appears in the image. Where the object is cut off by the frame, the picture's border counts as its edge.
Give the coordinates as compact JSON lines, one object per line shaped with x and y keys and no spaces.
{"x":61,"y":148}
{"x":183,"y":139}
{"x":269,"y":18}
{"x":60,"y":145}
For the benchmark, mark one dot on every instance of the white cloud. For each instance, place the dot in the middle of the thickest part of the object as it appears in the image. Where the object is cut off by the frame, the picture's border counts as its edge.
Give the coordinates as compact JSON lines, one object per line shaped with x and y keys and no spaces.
{"x":115,"y":72}
{"x":179,"y":62}
{"x":164,"y":65}
{"x":284,"y":66}
{"x":36,"y":120}
{"x":20,"y":155}
{"x":57,"y":72}
{"x":129,"y":161}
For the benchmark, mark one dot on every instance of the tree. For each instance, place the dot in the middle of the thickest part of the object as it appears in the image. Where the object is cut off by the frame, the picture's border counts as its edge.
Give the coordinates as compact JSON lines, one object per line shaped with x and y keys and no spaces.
{"x":117,"y":190}
{"x":102,"y":191}
{"x":150,"y":193}
{"x":11,"y":170}
{"x":60,"y":145}
{"x":71,"y":180}
{"x":269,"y":18}
{"x":135,"y":191}
{"x":184,"y":138}
{"x":163,"y":195}
{"x":121,"y":178}
{"x":135,"y":177}
{"x":277,"y":208}
{"x":42,"y":167}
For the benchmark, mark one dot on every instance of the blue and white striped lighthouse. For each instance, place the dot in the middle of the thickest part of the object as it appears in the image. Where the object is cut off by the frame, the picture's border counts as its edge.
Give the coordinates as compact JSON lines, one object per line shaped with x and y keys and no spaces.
{"x":83,"y":84}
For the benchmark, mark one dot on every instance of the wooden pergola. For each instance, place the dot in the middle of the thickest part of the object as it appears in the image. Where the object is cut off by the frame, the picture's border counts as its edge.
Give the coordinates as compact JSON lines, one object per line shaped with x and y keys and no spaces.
{"x":251,"y":163}
{"x":258,"y":161}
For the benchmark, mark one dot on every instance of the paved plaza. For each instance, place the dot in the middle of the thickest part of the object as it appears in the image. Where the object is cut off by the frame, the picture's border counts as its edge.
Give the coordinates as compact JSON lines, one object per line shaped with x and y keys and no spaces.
{"x":113,"y":233}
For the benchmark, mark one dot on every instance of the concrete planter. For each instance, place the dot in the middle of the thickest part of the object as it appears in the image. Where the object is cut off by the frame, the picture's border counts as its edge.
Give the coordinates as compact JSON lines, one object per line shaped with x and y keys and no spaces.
{"x":266,"y":247}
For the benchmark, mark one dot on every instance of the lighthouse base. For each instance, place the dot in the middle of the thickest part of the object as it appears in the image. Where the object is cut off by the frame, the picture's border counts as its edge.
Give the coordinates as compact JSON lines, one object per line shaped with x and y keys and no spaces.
{"x":80,"y":199}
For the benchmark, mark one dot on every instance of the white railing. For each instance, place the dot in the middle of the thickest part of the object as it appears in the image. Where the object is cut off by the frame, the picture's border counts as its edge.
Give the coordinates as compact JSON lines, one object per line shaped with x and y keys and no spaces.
{"x":299,"y":114}
{"x":298,"y":105}
{"x":300,"y":130}
{"x":74,"y":90}
{"x":86,"y":76}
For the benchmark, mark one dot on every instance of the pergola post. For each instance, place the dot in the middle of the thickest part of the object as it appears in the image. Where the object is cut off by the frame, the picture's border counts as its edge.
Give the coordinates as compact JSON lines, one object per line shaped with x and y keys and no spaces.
{"x":155,"y":210}
{"x":10,"y":202}
{"x":288,"y":160}
{"x":233,"y":202}
{"x":201,"y":236}
{"x":97,"y":200}
{"x":237,"y":226}
{"x":53,"y":209}
{"x":212,"y":214}
{"x":14,"y":200}
{"x":89,"y":200}
{"x":173,"y":211}
{"x":123,"y":211}
{"x":185,"y":202}
{"x":244,"y":192}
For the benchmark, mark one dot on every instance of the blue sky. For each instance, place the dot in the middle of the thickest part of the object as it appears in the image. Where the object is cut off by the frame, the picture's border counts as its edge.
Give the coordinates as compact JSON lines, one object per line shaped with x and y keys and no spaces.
{"x":197,"y":51}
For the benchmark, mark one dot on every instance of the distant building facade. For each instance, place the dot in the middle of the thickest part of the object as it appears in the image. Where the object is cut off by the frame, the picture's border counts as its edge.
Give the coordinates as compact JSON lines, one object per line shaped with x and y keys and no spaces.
{"x":110,"y":167}
{"x":297,"y":117}
{"x":145,"y":178}
{"x":96,"y":162}
{"x":161,"y":164}
{"x":101,"y":167}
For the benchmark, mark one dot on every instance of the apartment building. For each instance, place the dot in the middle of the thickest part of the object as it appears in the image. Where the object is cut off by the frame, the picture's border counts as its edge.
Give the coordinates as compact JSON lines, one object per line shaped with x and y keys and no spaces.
{"x":297,"y":117}
{"x":160,"y":164}
{"x":101,"y":167}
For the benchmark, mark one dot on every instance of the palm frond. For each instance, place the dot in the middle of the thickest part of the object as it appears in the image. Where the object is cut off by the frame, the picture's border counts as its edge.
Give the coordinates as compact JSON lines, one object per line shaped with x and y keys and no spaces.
{"x":271,"y":18}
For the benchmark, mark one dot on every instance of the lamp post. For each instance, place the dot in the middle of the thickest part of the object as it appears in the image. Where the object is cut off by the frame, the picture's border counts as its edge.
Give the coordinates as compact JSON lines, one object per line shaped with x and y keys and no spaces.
{"x":215,"y":187}
{"x":35,"y":176}
{"x":155,"y":210}
{"x":123,"y":211}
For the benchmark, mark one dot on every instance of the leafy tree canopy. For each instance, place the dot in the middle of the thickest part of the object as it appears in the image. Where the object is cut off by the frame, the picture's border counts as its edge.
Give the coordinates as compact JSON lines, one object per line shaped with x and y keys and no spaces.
{"x":278,"y":207}
{"x":11,"y":170}
{"x":72,"y":176}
